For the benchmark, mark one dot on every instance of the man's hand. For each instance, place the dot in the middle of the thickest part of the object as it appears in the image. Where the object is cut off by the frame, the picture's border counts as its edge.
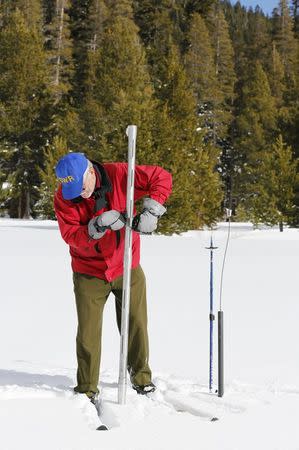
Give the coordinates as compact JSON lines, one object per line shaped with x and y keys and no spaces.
{"x":147,"y":221}
{"x":109,"y":220}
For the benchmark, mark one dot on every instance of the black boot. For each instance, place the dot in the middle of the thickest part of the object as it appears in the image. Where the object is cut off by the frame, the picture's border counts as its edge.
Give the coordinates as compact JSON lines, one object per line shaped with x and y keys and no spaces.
{"x":144,"y":390}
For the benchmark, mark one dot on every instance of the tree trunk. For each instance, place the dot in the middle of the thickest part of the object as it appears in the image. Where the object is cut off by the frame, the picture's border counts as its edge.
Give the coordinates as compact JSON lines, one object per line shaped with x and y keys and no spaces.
{"x":60,"y":14}
{"x":281,"y":226}
{"x":20,"y":207}
{"x":25,"y":205}
{"x":95,"y":36}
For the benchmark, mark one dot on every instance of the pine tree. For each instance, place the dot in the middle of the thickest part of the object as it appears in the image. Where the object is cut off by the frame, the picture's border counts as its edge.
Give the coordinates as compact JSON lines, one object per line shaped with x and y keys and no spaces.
{"x":276,"y":78}
{"x":24,"y":104}
{"x":200,"y":65}
{"x":123,"y":8}
{"x":60,"y":50}
{"x":283,"y":33}
{"x":201,"y":69}
{"x":196,"y":196}
{"x":52,"y":153}
{"x":88,"y":20}
{"x":236,"y":17}
{"x":258,"y":37}
{"x":145,"y":17}
{"x":271,"y":199}
{"x":186,"y":9}
{"x":288,"y":47}
{"x":224,"y":68}
{"x":256,"y":121}
{"x":224,"y":53}
{"x":98,"y":16}
{"x":172,"y":17}
{"x":178,"y":141}
{"x":31,"y":10}
{"x":226,"y":79}
{"x":193,"y":6}
{"x":158,"y":47}
{"x":255,"y":128}
{"x":59,"y":43}
{"x":232,"y":158}
{"x":118,"y":92}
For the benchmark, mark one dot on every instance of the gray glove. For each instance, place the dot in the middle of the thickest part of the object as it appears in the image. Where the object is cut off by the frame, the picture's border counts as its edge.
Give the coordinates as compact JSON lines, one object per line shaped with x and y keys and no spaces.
{"x":109,"y":220}
{"x":147,"y":221}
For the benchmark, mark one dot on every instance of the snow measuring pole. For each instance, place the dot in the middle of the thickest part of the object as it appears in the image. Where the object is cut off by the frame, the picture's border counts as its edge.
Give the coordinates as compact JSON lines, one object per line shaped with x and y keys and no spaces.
{"x":212,"y":315}
{"x":122,"y":381}
{"x":228,"y":211}
{"x":229,"y":207}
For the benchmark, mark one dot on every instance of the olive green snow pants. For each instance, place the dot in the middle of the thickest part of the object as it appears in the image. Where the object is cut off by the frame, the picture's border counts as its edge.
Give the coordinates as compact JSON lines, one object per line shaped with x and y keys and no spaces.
{"x":91,"y":295}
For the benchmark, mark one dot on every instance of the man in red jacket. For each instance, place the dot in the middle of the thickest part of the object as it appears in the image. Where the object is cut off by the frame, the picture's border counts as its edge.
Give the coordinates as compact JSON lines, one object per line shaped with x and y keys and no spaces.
{"x":90,"y":204}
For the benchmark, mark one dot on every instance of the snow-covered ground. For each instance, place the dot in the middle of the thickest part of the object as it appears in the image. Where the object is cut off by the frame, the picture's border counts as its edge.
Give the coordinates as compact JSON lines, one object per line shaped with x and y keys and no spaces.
{"x":260,"y":407}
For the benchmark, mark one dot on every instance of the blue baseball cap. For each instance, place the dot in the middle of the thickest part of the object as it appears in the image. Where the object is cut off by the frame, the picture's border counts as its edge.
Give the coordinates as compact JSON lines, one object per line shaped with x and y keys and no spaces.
{"x":70,"y":170}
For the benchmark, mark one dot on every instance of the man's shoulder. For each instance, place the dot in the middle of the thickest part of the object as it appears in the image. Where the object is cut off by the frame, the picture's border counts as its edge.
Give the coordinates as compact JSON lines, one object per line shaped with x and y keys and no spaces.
{"x":115,"y":168}
{"x":114,"y":165}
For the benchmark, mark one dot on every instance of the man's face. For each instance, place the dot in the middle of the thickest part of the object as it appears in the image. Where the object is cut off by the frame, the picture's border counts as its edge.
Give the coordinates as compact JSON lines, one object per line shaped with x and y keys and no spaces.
{"x":89,"y":183}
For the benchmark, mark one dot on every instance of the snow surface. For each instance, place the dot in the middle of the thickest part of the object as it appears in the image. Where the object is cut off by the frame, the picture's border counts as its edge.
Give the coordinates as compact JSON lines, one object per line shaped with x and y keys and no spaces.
{"x":260,"y":407}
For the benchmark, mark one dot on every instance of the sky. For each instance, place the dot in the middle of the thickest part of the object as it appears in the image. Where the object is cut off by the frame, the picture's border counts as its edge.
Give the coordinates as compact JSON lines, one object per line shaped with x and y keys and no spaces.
{"x":266,"y":5}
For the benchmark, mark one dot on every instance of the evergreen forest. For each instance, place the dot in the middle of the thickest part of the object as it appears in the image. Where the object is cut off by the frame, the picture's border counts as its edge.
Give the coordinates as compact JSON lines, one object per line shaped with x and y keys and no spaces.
{"x":212,"y":86}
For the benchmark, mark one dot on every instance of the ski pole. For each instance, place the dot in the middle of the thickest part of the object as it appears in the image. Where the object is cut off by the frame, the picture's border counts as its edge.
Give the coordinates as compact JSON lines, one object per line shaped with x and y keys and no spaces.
{"x":122,"y":382}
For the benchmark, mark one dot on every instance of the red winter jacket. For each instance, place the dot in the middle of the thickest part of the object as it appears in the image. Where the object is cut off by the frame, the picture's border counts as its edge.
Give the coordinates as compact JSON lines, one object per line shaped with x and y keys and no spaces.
{"x":103,"y":258}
